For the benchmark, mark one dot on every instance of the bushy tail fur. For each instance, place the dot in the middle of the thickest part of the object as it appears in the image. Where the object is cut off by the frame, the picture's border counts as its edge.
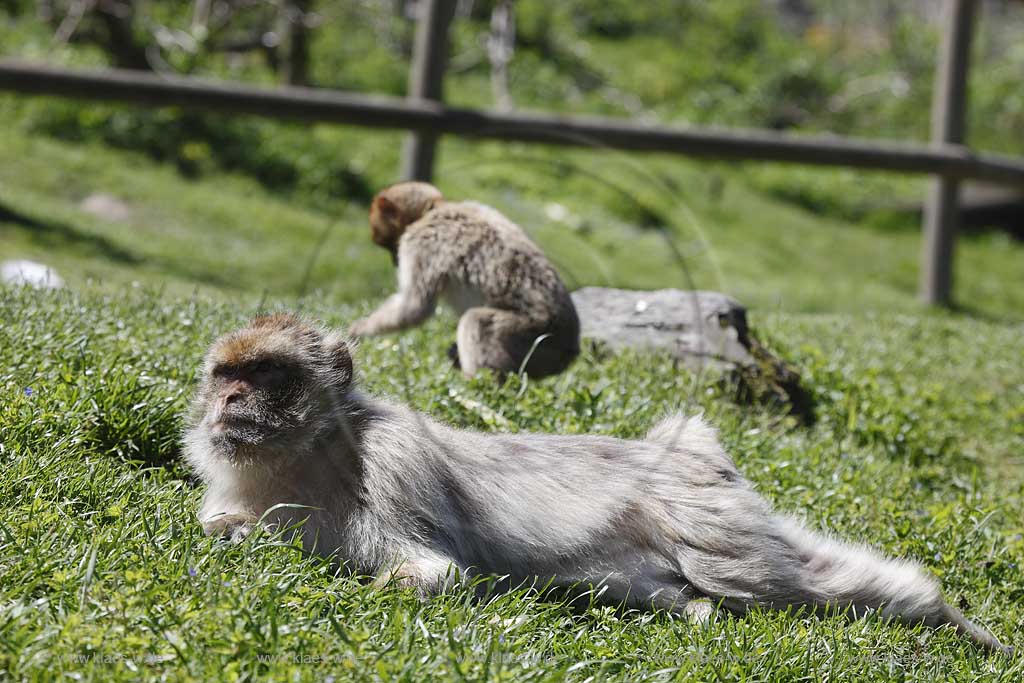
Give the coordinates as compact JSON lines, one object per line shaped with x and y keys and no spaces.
{"x":731,"y":546}
{"x":842,"y":575}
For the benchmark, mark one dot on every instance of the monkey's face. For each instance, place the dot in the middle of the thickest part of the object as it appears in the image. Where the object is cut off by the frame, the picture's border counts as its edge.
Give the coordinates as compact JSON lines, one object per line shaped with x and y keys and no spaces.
{"x":270,"y":387}
{"x":395,"y":208}
{"x":387,"y":224}
{"x":254,"y":400}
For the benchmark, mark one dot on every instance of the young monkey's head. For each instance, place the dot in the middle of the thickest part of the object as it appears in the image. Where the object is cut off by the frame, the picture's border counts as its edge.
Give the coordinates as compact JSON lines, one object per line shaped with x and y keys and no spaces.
{"x":396,"y":207}
{"x":271,"y":387}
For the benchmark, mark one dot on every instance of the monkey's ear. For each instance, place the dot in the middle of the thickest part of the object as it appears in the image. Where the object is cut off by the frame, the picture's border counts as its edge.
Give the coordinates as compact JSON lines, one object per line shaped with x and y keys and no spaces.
{"x":387,"y":208}
{"x":385,"y":223}
{"x":340,"y":359}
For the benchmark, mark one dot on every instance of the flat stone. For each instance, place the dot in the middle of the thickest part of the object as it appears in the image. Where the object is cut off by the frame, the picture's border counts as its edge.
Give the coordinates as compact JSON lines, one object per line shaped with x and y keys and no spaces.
{"x":701,"y":328}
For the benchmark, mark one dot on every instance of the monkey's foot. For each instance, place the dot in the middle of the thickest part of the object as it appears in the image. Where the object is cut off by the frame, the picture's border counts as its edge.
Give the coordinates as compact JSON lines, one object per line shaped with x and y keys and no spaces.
{"x":699,"y":611}
{"x":453,"y":356}
{"x":427,"y":575}
{"x":232,"y":528}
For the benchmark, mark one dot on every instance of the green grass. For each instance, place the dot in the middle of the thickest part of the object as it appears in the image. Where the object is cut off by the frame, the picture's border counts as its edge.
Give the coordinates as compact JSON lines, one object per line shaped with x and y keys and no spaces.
{"x":106,"y":575}
{"x":104,"y":572}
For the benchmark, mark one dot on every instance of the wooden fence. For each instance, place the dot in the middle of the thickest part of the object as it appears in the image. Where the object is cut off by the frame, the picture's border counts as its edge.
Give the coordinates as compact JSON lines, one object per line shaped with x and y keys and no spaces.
{"x":424,"y":113}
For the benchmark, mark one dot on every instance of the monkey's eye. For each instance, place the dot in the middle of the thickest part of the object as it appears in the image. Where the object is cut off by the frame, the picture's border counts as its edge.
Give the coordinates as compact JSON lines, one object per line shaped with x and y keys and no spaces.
{"x":222,"y":371}
{"x":266,"y":370}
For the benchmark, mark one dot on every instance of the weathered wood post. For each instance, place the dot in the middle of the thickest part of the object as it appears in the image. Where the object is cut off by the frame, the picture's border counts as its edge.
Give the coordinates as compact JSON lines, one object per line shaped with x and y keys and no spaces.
{"x":426,"y":80}
{"x":949,"y":114}
{"x":294,"y":37}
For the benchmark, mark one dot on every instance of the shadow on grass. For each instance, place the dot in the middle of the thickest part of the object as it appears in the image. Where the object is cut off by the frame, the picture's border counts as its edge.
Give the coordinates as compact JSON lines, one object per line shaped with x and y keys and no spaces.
{"x":52,"y":234}
{"x":56,"y":234}
{"x":974,"y":312}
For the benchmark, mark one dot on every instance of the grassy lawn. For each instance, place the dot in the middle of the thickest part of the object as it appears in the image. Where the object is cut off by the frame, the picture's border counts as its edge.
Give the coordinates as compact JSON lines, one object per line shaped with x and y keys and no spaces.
{"x":106,"y":576}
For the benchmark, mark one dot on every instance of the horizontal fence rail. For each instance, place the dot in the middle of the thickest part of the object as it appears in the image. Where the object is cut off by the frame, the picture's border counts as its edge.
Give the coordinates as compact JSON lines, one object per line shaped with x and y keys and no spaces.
{"x":374,"y":111}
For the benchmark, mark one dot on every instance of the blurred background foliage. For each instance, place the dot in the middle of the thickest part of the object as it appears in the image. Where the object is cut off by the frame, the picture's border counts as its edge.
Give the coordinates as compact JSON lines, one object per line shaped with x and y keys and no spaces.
{"x":862,"y":69}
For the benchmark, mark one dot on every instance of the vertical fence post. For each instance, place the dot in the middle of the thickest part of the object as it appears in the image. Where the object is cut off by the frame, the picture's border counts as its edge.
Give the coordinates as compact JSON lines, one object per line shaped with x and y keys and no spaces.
{"x":949,"y":113}
{"x":426,"y":79}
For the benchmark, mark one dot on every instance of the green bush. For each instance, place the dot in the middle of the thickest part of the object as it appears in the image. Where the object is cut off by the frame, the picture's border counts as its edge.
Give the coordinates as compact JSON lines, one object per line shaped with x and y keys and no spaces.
{"x":279,"y":156}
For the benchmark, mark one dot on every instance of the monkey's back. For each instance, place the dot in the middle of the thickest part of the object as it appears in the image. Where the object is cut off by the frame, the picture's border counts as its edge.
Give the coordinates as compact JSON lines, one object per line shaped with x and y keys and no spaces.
{"x":531,"y":504}
{"x":484,"y":258}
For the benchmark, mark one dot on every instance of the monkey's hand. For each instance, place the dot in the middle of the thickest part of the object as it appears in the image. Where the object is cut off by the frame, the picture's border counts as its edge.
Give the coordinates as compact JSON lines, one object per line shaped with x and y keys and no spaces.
{"x":398,"y":312}
{"x":364,"y":327}
{"x":232,"y":528}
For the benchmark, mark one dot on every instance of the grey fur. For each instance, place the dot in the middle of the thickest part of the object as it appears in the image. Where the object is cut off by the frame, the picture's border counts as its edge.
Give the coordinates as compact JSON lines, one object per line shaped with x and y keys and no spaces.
{"x":658,"y":522}
{"x":512,"y":302}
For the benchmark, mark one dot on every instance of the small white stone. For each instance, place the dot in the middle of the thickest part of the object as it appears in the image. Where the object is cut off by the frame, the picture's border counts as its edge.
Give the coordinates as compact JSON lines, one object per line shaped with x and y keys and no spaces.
{"x":641,"y":306}
{"x":30,"y":274}
{"x":556,"y":212}
{"x":106,"y":206}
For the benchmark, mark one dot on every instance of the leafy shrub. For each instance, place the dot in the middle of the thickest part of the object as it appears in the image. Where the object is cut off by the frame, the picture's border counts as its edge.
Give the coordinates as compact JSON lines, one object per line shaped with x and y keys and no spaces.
{"x":279,"y":156}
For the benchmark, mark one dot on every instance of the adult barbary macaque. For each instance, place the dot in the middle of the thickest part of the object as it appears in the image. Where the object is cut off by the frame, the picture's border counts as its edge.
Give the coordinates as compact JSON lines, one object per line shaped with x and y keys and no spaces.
{"x":281,"y":436}
{"x":514,"y":307}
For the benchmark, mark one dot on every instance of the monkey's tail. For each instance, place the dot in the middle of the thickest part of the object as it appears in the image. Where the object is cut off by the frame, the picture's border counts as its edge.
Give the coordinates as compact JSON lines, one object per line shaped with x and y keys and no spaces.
{"x":838,"y":574}
{"x":731,"y":545}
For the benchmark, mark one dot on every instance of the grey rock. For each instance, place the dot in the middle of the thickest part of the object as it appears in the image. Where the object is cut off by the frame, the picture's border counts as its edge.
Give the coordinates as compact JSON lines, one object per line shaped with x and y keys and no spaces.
{"x":700,"y":328}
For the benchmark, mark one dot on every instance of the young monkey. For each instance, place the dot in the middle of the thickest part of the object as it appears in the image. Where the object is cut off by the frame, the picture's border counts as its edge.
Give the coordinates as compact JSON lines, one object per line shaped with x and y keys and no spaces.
{"x":513,"y":305}
{"x":281,"y":437}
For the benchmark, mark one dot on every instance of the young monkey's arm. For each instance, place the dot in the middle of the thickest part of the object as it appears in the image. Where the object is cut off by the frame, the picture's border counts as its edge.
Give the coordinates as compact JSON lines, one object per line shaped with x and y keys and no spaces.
{"x":418,"y":288}
{"x":398,"y":312}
